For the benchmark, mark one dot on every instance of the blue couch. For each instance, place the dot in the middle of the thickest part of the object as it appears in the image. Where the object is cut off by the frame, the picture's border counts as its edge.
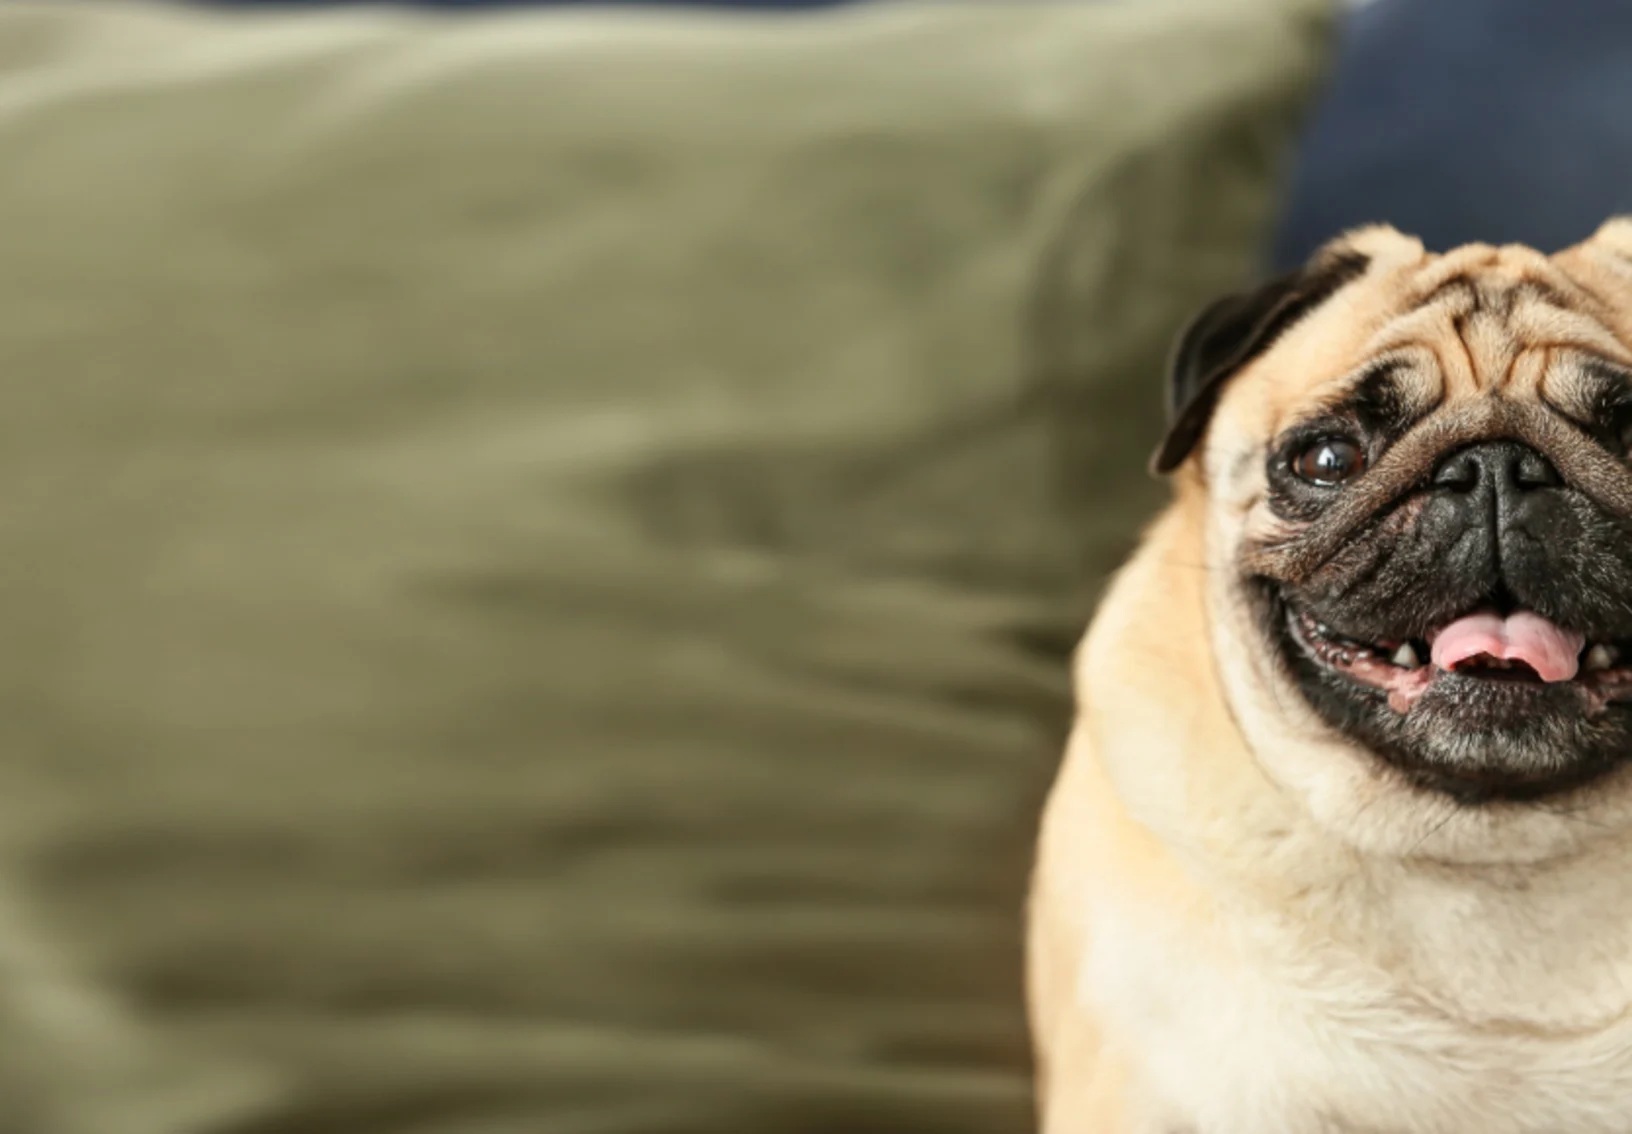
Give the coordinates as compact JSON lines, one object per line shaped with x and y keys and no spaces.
{"x":1461,"y":120}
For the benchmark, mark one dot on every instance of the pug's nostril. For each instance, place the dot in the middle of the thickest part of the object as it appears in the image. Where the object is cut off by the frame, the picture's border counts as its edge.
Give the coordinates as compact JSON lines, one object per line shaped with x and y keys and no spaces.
{"x":1459,"y":474}
{"x":1535,"y":471}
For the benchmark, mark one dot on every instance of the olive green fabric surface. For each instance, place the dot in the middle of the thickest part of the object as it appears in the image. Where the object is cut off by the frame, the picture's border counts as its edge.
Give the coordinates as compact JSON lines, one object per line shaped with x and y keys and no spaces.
{"x":539,"y":550}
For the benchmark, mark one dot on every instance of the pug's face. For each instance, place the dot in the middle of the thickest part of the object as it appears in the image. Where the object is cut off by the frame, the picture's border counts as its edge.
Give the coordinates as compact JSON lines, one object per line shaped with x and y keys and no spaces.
{"x":1418,"y":473}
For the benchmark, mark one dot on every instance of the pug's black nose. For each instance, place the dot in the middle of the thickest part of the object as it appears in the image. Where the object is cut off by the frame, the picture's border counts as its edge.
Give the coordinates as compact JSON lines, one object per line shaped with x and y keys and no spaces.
{"x":1501,"y":470}
{"x":1505,"y":523}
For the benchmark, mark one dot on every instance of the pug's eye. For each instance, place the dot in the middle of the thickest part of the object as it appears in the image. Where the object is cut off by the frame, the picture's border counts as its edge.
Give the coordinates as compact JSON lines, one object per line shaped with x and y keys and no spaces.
{"x":1330,"y":461}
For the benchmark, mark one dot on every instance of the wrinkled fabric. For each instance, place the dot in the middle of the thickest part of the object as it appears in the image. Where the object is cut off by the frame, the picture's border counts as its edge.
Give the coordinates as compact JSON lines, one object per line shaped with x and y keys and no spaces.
{"x":540,"y":551}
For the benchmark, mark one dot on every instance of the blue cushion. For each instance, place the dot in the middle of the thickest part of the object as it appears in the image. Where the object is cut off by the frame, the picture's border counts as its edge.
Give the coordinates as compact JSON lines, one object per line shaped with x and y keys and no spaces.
{"x":1462,"y":120}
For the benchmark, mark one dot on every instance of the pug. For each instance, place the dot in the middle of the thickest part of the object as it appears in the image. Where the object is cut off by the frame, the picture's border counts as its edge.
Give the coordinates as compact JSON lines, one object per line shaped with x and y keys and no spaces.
{"x":1342,"y":841}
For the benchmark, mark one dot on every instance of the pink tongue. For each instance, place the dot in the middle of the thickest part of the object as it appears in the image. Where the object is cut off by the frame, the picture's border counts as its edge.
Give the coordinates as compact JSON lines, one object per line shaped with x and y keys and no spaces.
{"x":1552,"y":652}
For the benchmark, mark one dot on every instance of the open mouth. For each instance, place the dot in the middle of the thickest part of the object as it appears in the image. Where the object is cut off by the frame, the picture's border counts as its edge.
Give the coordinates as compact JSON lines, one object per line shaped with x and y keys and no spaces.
{"x":1520,"y":649}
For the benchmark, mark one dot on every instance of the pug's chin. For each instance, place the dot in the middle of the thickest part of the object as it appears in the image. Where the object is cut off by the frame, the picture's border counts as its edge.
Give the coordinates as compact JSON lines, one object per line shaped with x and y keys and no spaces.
{"x":1489,"y":733}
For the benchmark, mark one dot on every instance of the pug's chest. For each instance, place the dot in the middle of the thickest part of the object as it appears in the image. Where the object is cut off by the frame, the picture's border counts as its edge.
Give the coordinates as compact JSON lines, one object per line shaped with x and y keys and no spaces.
{"x":1279,"y":1044}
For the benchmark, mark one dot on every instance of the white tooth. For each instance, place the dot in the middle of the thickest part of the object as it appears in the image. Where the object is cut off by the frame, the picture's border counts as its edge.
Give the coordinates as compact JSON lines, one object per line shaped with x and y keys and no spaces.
{"x":1599,"y":657}
{"x":1406,"y":657}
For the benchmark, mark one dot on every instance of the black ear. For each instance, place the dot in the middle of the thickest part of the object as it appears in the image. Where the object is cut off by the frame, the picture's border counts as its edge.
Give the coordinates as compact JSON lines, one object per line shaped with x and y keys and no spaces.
{"x":1229,"y":334}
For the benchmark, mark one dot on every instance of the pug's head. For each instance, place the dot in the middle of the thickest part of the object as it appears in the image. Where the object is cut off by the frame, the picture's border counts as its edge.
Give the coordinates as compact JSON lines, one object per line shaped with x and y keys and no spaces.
{"x":1417,"y":482}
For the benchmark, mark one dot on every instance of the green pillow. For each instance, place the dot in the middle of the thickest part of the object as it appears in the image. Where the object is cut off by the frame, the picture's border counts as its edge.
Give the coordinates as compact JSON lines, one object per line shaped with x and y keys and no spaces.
{"x":540,"y":548}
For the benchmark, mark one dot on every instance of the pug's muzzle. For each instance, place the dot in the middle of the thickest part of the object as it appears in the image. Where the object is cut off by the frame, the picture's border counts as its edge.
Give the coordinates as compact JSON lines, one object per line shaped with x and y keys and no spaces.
{"x":1474,"y":629}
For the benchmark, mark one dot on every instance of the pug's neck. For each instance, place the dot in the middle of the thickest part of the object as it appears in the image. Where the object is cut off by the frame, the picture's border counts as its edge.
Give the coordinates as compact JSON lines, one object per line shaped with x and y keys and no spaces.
{"x":1541,"y":941}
